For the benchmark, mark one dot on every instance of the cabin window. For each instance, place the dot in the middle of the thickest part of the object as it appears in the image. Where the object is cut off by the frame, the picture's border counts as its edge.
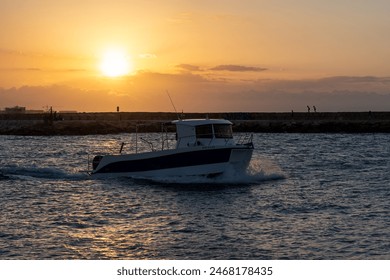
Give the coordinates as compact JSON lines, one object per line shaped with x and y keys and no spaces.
{"x":223,"y":131}
{"x":204,"y":131}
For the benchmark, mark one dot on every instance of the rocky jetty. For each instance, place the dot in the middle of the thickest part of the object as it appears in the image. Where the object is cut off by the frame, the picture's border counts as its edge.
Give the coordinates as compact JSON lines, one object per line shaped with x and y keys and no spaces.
{"x":128,"y":122}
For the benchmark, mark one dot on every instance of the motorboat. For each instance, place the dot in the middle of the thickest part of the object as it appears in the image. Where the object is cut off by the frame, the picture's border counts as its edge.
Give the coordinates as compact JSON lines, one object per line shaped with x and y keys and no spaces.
{"x":203,"y":147}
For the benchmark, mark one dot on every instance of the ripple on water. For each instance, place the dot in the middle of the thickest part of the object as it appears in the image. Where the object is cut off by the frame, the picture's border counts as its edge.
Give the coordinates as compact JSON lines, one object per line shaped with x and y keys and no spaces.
{"x":304,"y":197}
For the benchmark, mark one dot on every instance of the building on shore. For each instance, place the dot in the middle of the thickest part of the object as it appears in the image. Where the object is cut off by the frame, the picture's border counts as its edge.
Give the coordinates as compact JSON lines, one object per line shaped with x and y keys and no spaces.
{"x":15,"y":110}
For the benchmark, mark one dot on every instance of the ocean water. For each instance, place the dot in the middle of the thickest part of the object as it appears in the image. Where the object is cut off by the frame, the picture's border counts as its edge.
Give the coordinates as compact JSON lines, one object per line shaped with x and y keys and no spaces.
{"x":305,"y":196}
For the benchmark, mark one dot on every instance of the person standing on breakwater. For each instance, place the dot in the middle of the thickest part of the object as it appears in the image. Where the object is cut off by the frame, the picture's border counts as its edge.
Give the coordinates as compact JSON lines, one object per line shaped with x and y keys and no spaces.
{"x":315,"y":109}
{"x":308,"y":108}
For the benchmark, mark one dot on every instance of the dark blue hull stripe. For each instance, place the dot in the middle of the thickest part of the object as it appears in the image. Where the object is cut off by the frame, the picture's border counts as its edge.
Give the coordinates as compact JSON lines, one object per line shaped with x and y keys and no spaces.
{"x":185,"y":159}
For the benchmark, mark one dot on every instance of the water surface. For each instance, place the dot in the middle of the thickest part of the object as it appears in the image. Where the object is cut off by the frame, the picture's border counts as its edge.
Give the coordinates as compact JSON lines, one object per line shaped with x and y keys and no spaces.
{"x":306,"y":196}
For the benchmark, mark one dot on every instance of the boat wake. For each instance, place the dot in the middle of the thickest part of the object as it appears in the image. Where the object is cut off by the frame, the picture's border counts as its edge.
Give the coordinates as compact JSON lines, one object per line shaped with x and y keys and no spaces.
{"x":258,"y":171}
{"x":28,"y":173}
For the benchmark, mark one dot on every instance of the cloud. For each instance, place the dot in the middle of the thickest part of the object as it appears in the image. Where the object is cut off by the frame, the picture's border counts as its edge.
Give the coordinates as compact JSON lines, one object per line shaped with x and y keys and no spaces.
{"x":30,"y":54}
{"x":354,"y":79}
{"x":32,"y":69}
{"x":181,"y":18}
{"x":237,"y":68}
{"x":69,"y":70}
{"x":196,"y":93}
{"x":60,"y":97}
{"x":21,"y":69}
{"x":189,"y":67}
{"x":147,"y":56}
{"x":380,"y":85}
{"x":36,"y":69}
{"x":9,"y":51}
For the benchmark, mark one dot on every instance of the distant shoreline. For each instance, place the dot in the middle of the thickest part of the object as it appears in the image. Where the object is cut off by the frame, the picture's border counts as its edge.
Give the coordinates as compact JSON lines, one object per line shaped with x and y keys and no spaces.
{"x":126,"y":122}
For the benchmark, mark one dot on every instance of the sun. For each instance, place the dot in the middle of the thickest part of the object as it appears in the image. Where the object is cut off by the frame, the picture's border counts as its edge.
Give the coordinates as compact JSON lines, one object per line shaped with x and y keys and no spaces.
{"x":115,"y":63}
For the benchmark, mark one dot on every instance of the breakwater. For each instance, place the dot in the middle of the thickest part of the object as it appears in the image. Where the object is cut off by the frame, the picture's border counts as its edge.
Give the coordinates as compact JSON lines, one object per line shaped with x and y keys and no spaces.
{"x":127,"y":122}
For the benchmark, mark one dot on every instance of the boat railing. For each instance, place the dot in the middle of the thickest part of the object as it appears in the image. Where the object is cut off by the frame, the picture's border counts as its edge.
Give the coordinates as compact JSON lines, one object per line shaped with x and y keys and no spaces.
{"x":245,"y":139}
{"x":150,"y":143}
{"x":142,"y":144}
{"x":169,"y":139}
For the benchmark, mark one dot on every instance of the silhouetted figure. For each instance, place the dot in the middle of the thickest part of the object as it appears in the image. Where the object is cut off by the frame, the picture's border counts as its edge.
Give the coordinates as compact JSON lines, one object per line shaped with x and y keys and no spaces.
{"x":315,"y":109}
{"x":308,"y":108}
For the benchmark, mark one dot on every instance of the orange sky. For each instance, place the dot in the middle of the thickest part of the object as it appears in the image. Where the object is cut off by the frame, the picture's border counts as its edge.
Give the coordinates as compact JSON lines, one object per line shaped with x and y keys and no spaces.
{"x":221,"y":55}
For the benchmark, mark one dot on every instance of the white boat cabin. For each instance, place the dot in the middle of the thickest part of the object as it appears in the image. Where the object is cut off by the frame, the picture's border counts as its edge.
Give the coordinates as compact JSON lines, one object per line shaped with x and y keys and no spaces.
{"x":203,"y":132}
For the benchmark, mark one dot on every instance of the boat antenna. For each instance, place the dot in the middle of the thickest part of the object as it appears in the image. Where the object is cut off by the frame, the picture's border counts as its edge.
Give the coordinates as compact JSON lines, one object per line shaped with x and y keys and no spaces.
{"x":173,"y":105}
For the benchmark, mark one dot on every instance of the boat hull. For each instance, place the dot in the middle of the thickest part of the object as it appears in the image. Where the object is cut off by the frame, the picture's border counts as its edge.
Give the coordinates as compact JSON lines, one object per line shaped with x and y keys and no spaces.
{"x":196,"y":161}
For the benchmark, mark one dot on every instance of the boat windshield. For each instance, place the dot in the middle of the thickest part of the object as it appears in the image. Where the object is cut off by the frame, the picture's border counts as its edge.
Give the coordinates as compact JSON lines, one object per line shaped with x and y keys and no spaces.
{"x":204,"y":131}
{"x":220,"y":131}
{"x":223,"y":131}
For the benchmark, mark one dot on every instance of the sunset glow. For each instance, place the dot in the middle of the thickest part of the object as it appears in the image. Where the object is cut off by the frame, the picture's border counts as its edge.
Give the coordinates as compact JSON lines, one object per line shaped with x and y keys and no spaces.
{"x":238,"y":55}
{"x":115,"y":63}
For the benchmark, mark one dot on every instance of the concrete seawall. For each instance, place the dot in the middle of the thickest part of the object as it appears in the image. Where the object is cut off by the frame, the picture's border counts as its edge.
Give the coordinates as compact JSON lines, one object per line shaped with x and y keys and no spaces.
{"x":126,"y":122}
